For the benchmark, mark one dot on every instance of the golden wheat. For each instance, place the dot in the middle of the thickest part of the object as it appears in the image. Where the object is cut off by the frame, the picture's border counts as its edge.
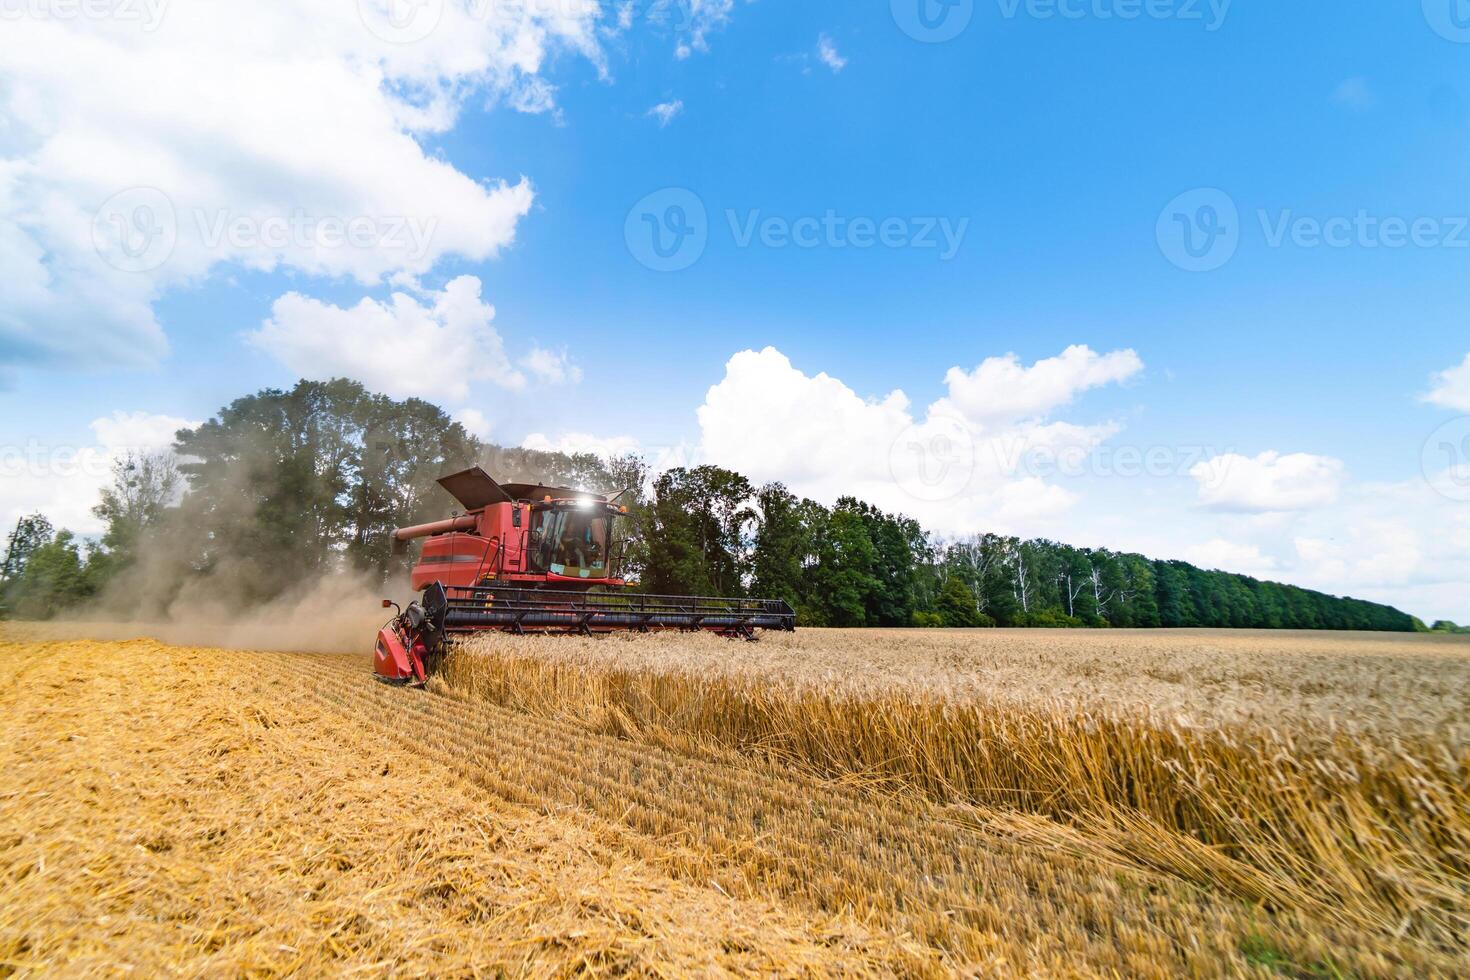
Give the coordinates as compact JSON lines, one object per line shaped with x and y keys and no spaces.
{"x":1272,"y":767}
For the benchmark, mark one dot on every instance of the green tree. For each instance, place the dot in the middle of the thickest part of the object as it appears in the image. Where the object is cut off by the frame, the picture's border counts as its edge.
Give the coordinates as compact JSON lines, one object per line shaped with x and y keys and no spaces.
{"x":898,"y":545}
{"x":286,"y":485}
{"x":144,"y":486}
{"x":956,"y":606}
{"x":841,"y":582}
{"x":782,"y":545}
{"x":697,"y":533}
{"x":54,"y":579}
{"x":30,"y":533}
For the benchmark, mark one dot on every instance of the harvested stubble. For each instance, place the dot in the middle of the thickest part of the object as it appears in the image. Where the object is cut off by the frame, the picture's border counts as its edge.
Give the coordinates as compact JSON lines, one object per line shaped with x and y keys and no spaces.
{"x":1321,"y":774}
{"x":167,"y":811}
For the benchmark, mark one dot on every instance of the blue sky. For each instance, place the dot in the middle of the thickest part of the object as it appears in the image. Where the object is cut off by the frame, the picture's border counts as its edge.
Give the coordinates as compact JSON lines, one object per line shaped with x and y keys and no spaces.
{"x":1315,"y":375}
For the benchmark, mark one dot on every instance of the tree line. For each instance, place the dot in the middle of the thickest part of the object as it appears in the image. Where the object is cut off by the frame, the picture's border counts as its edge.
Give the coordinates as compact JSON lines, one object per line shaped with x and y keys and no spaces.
{"x":282,"y":487}
{"x":854,"y":565}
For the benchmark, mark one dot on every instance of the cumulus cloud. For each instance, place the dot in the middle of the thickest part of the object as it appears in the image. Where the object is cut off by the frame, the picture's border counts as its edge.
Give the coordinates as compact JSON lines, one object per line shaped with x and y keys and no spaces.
{"x":270,"y":135}
{"x":404,"y":347}
{"x":475,"y":422}
{"x":1405,"y":543}
{"x":695,"y":20}
{"x":827,"y":51}
{"x":64,"y":480}
{"x":1451,"y":387}
{"x":1267,"y":482}
{"x":665,"y":112}
{"x":771,"y":421}
{"x":1002,"y":389}
{"x":1233,"y":556}
{"x":581,"y":442}
{"x":553,"y":367}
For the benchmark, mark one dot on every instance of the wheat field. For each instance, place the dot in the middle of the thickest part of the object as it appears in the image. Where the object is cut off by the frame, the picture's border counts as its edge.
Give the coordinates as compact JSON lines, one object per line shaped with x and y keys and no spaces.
{"x":830,"y":803}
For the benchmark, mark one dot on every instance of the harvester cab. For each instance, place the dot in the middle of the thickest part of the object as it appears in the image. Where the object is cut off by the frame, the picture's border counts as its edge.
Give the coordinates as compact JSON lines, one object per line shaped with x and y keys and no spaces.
{"x":528,"y":558}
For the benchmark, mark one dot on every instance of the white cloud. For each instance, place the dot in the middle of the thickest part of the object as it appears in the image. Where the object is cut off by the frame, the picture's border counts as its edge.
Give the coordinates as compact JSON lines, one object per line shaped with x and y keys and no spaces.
{"x":581,"y":442}
{"x":63,"y":480}
{"x":1406,"y":544}
{"x":474,"y":422}
{"x":665,"y":112}
{"x":1293,"y":518}
{"x":402,"y":347}
{"x":827,"y":51}
{"x":1002,"y":389}
{"x":1232,"y":556}
{"x":551,"y":367}
{"x":769,"y":420}
{"x":691,"y":20}
{"x":1400,"y":543}
{"x":1452,"y":387}
{"x":230,"y":128}
{"x":1268,"y":482}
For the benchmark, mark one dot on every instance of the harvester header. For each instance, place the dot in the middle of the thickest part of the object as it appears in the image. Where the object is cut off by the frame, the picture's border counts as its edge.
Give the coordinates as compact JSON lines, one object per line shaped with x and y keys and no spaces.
{"x":530,"y":558}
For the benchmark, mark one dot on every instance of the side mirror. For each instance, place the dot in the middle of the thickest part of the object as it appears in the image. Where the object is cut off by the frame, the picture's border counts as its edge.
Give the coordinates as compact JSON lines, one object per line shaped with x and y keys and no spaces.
{"x":387,"y":603}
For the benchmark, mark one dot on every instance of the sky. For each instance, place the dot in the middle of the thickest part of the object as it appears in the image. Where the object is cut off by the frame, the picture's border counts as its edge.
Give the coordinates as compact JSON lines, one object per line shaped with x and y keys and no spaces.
{"x":1185,"y":277}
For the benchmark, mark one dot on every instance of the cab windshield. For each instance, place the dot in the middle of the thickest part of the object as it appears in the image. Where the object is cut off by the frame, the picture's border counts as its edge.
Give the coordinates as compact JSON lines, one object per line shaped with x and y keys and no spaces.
{"x":571,"y":542}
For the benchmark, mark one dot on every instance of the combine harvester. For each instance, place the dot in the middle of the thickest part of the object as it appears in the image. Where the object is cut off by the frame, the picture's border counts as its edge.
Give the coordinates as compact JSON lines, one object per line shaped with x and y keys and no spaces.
{"x":525,"y":558}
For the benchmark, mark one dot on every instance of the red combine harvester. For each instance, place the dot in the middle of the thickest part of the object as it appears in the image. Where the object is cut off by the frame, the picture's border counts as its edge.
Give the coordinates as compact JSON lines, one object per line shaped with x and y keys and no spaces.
{"x":525,"y":558}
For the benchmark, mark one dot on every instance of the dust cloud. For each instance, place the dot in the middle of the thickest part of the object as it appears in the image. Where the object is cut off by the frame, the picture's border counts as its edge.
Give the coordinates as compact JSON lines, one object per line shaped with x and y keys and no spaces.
{"x":340,"y":613}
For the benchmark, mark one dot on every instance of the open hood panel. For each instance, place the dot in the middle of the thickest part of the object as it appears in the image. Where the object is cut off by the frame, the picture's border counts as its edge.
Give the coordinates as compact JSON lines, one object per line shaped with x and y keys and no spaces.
{"x":474,"y":488}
